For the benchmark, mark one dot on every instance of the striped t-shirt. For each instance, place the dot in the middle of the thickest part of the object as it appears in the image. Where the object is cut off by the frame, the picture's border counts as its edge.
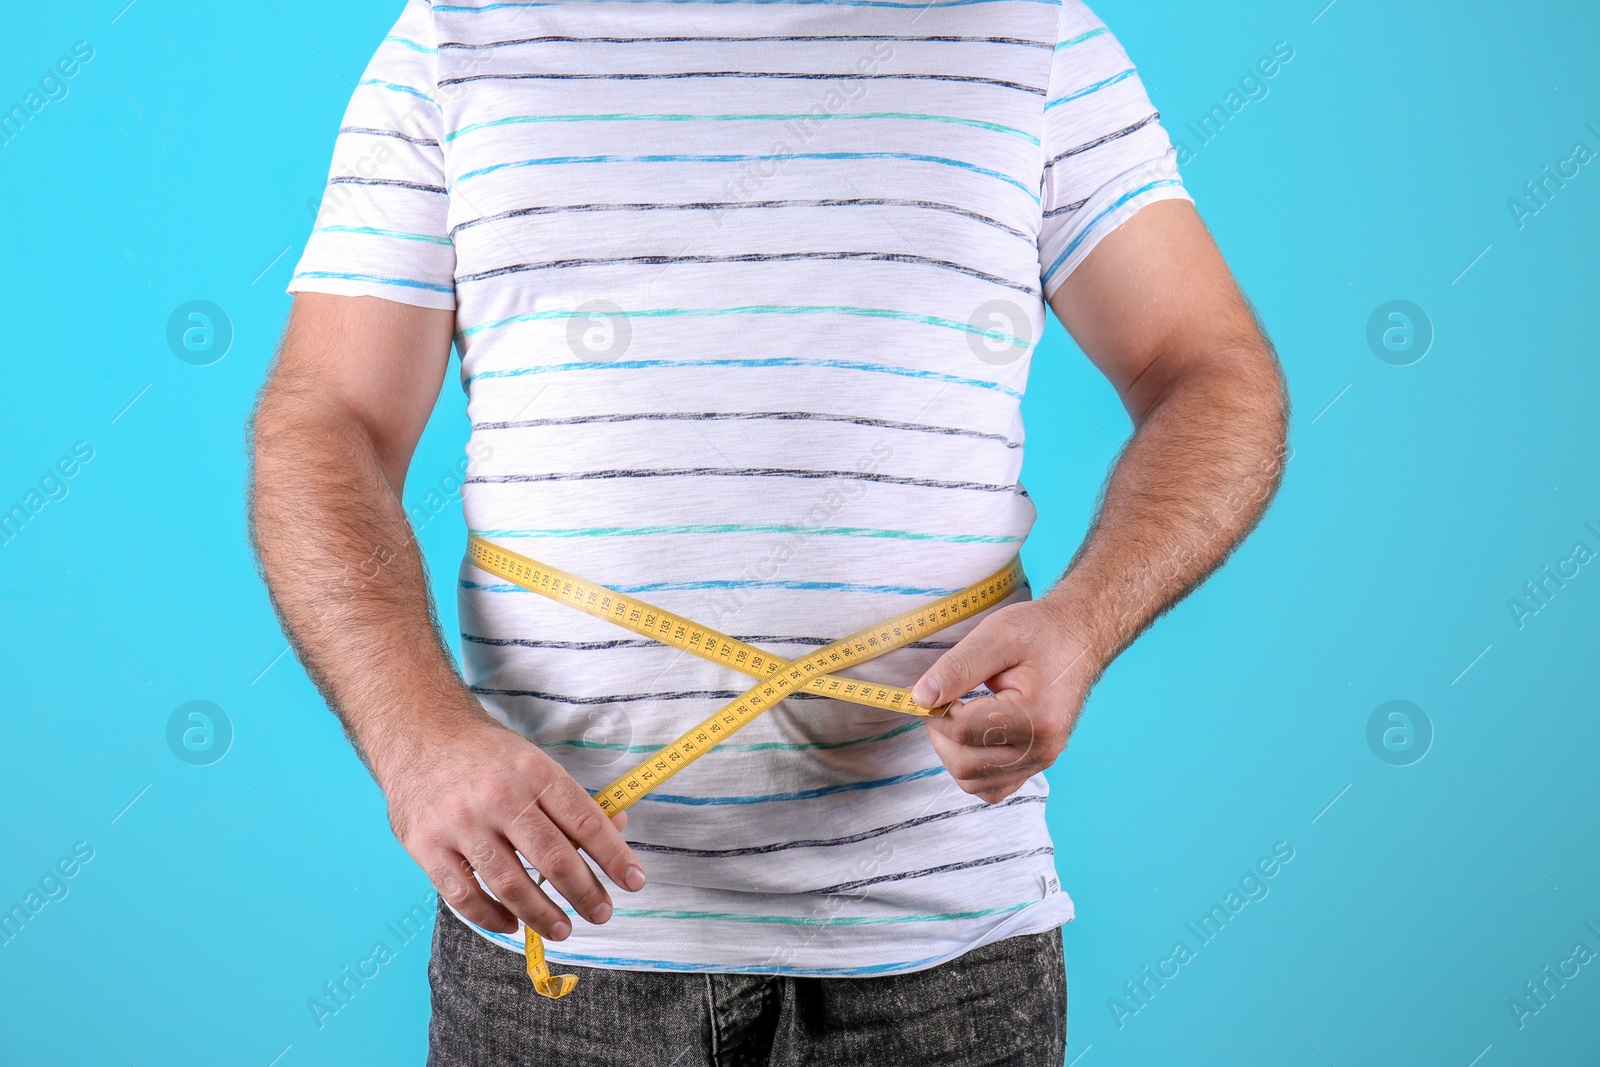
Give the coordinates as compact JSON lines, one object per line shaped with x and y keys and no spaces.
{"x":746,"y":294}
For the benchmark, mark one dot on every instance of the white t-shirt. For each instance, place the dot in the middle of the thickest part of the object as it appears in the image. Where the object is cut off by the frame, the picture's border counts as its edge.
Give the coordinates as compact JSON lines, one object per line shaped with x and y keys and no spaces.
{"x":746,"y":295}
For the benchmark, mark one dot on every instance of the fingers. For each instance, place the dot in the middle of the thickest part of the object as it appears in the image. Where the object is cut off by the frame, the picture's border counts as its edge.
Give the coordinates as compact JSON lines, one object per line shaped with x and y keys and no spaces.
{"x":451,"y":875}
{"x":989,"y":783}
{"x":577,"y":815}
{"x":516,"y":895}
{"x":495,"y":859}
{"x":981,"y":721}
{"x":989,"y":649}
{"x":989,"y":746}
{"x":489,"y":795}
{"x":993,"y":744}
{"x":982,"y":764}
{"x":546,"y":846}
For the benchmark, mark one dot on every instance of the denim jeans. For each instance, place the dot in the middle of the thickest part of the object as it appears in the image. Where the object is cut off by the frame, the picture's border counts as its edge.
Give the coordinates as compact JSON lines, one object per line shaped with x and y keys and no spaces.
{"x":1003,"y":1003}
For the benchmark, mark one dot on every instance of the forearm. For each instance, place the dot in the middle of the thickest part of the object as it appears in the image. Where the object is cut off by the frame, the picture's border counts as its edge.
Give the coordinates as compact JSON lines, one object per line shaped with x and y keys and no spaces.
{"x":1201,"y":467}
{"x":469,"y":799}
{"x":1157,"y":311}
{"x":346,"y":578}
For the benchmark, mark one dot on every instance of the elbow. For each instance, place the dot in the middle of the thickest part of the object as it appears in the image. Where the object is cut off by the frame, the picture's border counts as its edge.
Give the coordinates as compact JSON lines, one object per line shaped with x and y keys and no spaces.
{"x":1270,"y":405}
{"x":1279,"y":403}
{"x":263,"y":425}
{"x":1252,"y":378}
{"x":1275,"y":401}
{"x":297,"y":433}
{"x":1243,"y":379}
{"x":267,"y":431}
{"x":277,"y":419}
{"x":1258,"y":399}
{"x":284,"y":431}
{"x":291,"y":417}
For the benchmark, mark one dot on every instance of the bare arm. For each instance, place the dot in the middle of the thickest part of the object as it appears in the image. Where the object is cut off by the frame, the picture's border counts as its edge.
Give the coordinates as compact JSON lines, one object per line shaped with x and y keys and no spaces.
{"x":332,"y":437}
{"x":1157,"y":310}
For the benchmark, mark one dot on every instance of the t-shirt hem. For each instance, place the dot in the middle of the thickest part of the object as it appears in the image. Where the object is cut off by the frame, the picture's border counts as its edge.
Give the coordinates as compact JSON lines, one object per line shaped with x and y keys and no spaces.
{"x":1047,"y":914}
{"x":426,"y":298}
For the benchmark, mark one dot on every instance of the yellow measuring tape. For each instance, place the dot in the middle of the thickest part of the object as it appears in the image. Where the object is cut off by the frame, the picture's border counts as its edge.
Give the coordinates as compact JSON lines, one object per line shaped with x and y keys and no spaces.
{"x":779,"y":678}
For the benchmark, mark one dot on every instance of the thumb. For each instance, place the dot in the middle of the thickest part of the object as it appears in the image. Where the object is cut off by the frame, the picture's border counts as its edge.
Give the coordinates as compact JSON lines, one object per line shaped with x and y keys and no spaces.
{"x":976,"y":658}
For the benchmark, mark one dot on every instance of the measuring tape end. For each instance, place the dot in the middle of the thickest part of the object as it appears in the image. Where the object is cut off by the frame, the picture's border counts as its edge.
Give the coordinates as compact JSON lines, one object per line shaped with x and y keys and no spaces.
{"x":553,"y":986}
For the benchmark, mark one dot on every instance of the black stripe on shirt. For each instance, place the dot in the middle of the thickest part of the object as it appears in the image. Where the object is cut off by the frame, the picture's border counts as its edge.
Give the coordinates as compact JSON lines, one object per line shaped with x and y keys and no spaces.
{"x":348,"y":179}
{"x":730,"y":205}
{"x":1066,"y":209}
{"x":737,"y":472}
{"x":1107,"y":139}
{"x":832,"y":842}
{"x":784,"y":75}
{"x":719,"y":416}
{"x":624,"y":698}
{"x":750,"y":257}
{"x":933,"y":39}
{"x":429,"y":141}
{"x":946,"y":868}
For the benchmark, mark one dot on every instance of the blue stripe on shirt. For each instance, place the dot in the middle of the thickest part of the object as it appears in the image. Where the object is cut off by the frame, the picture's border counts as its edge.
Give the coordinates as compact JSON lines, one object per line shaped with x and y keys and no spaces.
{"x":988,"y":333}
{"x":409,"y":283}
{"x":746,"y":157}
{"x":808,"y":116}
{"x":413,"y":45}
{"x":1088,"y":90}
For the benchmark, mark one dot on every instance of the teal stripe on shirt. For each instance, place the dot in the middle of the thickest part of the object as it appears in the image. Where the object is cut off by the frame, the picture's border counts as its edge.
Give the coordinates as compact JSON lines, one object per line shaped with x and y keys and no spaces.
{"x":1082,"y":37}
{"x":394,"y":87}
{"x":512,"y":120}
{"x":745,"y":157}
{"x":986,"y":332}
{"x":413,"y":45}
{"x":777,"y":361}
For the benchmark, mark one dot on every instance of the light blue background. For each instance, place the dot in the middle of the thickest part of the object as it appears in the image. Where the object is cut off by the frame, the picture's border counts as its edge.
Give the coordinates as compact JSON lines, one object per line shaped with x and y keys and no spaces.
{"x":1416,"y":505}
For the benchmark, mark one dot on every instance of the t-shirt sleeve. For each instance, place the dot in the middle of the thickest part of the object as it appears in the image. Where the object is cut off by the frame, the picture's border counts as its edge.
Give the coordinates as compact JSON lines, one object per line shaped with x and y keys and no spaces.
{"x":1106,"y":154}
{"x":381,"y":229}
